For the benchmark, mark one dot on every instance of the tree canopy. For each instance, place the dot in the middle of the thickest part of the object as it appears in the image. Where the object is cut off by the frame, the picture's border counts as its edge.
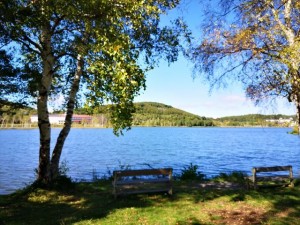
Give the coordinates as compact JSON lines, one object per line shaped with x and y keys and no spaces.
{"x":256,"y":42}
{"x":99,"y":50}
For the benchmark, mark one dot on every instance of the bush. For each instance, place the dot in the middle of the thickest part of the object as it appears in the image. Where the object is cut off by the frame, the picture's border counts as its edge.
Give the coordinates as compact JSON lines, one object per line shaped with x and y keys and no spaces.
{"x":190,"y":173}
{"x":61,"y":182}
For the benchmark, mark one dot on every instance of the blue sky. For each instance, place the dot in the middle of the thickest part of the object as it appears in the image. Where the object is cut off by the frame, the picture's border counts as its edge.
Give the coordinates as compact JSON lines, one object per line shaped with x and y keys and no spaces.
{"x":173,"y":85}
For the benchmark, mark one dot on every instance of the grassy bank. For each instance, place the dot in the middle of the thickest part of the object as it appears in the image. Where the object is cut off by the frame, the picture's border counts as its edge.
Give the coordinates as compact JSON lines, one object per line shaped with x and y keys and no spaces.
{"x":92,"y":203}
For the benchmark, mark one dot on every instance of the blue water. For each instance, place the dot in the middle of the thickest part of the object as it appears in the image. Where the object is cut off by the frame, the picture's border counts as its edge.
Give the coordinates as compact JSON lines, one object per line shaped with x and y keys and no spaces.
{"x":96,"y":152}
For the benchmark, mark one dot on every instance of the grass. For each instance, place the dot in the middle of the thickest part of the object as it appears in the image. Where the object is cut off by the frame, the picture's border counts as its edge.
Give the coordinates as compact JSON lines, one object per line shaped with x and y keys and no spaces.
{"x":93,"y":203}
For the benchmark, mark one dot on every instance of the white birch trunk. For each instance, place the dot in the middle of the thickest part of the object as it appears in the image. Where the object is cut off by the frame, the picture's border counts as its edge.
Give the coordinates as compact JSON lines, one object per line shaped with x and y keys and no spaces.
{"x":42,"y":105}
{"x":68,"y":120}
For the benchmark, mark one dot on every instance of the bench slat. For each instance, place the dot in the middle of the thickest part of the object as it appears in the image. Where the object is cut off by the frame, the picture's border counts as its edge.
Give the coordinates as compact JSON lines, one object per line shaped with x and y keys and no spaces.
{"x":127,"y":173}
{"x":272,"y":169}
{"x":142,"y":181}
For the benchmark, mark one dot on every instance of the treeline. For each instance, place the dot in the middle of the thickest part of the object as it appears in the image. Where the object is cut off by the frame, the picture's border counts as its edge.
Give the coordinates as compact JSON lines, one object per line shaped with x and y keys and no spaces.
{"x":253,"y":120}
{"x":14,"y":115}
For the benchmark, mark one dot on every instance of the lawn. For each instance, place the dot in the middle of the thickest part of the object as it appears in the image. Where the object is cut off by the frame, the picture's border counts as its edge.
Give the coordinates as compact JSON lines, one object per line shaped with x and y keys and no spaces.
{"x":93,"y":203}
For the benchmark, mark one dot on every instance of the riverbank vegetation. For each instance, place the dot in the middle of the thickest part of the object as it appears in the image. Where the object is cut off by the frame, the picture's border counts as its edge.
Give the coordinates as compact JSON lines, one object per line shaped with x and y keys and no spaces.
{"x":276,"y":120}
{"x":295,"y":130}
{"x":93,"y":203}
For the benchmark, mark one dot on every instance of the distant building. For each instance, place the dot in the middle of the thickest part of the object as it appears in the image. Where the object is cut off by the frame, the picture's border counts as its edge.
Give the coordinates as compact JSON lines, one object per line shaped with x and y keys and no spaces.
{"x":60,"y":119}
{"x":282,"y":121}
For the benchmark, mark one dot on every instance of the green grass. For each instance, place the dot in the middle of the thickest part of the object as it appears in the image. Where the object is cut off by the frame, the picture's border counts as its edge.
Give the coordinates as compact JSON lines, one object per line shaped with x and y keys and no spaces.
{"x":93,"y":203}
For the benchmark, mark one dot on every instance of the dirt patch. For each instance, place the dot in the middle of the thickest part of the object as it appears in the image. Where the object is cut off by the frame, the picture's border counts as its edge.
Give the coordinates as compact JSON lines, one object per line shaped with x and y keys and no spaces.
{"x":243,"y":215}
{"x":285,"y":213}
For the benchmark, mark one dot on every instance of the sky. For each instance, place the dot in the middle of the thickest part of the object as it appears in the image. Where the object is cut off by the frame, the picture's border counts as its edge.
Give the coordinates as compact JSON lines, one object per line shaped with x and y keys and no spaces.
{"x":174,"y":85}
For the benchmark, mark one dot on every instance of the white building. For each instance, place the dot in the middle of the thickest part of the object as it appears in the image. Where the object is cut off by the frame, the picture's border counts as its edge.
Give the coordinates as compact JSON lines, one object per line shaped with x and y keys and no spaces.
{"x":282,"y":121}
{"x":60,"y":118}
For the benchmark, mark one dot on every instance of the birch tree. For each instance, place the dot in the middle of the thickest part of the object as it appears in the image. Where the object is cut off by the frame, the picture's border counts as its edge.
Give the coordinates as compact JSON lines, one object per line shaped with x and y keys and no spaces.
{"x":92,"y":47}
{"x":256,"y":42}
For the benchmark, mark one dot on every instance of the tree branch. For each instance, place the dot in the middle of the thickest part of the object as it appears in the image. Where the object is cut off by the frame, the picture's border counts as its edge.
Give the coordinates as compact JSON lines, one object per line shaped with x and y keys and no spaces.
{"x":287,"y":30}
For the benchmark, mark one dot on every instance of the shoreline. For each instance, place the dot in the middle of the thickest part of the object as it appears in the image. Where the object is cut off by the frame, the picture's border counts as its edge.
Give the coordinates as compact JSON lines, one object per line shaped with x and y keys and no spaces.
{"x":99,"y":127}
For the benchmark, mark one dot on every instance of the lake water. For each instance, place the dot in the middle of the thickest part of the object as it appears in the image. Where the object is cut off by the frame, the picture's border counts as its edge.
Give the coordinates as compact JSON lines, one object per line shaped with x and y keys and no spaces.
{"x":96,"y":152}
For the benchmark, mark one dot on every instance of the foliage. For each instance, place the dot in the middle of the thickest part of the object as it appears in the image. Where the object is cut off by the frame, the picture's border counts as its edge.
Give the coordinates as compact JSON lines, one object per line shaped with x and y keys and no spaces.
{"x":255,"y":42}
{"x":191,"y":173}
{"x":295,"y":130}
{"x":11,"y":80}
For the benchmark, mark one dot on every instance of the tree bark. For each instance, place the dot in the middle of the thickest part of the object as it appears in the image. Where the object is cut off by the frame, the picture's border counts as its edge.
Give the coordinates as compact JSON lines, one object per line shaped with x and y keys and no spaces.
{"x":42,"y":105}
{"x":298,"y":114}
{"x":68,"y":119}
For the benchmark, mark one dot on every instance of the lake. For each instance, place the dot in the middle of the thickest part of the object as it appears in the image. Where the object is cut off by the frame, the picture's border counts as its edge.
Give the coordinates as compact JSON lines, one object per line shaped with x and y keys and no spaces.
{"x":92,"y":153}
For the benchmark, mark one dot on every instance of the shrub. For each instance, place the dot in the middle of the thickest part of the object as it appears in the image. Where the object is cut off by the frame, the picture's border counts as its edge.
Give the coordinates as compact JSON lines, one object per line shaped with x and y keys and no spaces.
{"x":62,"y":182}
{"x":191,"y":173}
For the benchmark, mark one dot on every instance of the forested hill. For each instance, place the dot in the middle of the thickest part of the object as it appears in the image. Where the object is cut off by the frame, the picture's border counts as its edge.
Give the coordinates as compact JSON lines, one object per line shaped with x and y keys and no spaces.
{"x":157,"y":114}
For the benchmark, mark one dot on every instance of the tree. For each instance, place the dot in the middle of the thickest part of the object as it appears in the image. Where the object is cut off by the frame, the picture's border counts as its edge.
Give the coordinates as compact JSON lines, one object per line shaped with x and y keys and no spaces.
{"x":90,"y":48}
{"x":256,"y":42}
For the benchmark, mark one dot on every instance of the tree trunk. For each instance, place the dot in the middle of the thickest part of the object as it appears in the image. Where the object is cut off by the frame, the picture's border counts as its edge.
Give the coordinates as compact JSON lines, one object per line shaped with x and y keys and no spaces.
{"x":298,"y":114}
{"x":12,"y":122}
{"x":68,"y":120}
{"x":42,"y":105}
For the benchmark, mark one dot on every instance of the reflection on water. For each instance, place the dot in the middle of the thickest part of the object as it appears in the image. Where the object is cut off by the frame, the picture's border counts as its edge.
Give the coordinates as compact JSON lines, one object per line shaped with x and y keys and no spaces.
{"x":89,"y":152}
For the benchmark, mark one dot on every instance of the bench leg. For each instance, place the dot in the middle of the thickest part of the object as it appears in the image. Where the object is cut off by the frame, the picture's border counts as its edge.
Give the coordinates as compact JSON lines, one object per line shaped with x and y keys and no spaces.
{"x":292,"y":183}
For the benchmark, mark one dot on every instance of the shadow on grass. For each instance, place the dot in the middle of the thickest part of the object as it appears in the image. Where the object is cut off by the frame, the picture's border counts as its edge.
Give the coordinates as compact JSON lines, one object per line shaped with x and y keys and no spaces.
{"x":284,"y":204}
{"x":85,"y":201}
{"x":94,"y":201}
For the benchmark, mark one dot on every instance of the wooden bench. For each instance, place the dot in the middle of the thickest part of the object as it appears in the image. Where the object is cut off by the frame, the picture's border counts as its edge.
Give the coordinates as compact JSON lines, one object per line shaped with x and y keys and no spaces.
{"x":272,"y":179}
{"x":142,"y":181}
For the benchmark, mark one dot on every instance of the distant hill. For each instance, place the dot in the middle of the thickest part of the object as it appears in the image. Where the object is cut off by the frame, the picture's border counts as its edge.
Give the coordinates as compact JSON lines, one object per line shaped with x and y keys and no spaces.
{"x":157,"y":114}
